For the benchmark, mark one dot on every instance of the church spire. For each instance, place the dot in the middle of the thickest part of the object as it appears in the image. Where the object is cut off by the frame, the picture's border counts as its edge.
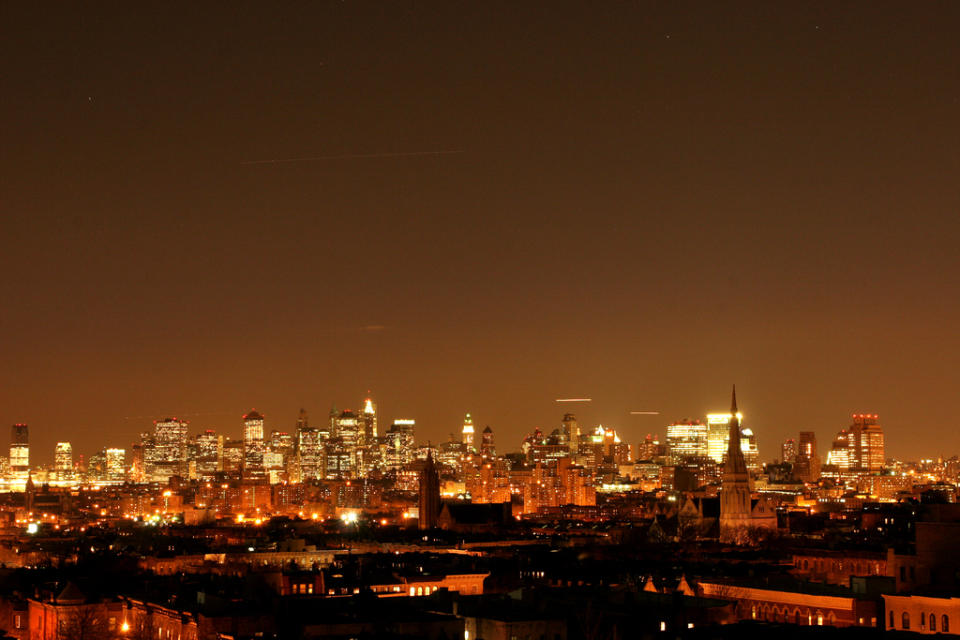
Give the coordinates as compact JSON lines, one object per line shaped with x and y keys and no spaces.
{"x":733,"y":401}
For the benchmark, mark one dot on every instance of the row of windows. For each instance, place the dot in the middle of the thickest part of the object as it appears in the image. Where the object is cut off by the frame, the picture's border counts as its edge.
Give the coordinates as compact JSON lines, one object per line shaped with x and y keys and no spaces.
{"x":925,"y":620}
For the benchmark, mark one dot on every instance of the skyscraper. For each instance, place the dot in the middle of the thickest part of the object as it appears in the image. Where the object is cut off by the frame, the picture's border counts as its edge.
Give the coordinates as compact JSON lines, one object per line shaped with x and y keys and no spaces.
{"x":687,"y":440}
{"x":253,"y":445}
{"x":571,"y":430}
{"x":368,"y":432}
{"x":487,"y":448}
{"x":788,"y":451}
{"x":63,"y":461}
{"x":866,"y":443}
{"x":429,"y":494}
{"x":116,"y":460}
{"x":169,"y":450}
{"x":467,"y":435}
{"x":807,"y":466}
{"x":20,"y":450}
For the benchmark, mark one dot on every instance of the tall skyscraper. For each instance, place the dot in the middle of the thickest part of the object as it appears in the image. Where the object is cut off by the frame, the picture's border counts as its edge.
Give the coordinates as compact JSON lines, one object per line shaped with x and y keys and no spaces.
{"x":788,"y":451}
{"x":687,"y":440}
{"x":63,"y":461}
{"x":253,"y":446}
{"x":368,"y":418}
{"x":718,"y":432}
{"x":571,"y":429}
{"x":467,"y":435}
{"x":866,"y":443}
{"x":839,"y":454}
{"x":209,"y":453}
{"x":20,"y":450}
{"x":169,"y":450}
{"x":487,"y":448}
{"x":735,"y":487}
{"x":807,"y":466}
{"x":429,"y":494}
{"x":310,"y":451}
{"x":116,"y":460}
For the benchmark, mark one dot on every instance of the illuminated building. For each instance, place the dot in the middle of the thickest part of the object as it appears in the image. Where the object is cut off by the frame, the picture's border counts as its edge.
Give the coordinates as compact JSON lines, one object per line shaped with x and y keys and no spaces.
{"x":839,"y":454}
{"x":368,"y":432}
{"x":718,"y":433}
{"x":273,"y":466}
{"x":233,"y":457}
{"x":168,"y":449}
{"x":399,"y":443}
{"x":649,"y":448}
{"x":487,"y":448}
{"x":788,"y":451}
{"x":570,"y":429}
{"x":253,"y":445}
{"x":115,"y":464}
{"x":866,"y":444}
{"x":467,"y":434}
{"x":347,"y":429}
{"x":63,"y":460}
{"x":340,"y":459}
{"x":687,"y":440}
{"x":311,"y":454}
{"x":718,"y":443}
{"x":429,"y":495}
{"x":19,"y":450}
{"x":209,"y":458}
{"x":807,"y":466}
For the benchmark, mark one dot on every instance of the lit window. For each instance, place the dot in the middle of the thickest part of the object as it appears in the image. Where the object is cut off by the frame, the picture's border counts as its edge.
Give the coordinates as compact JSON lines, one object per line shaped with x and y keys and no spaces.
{"x":663,"y":626}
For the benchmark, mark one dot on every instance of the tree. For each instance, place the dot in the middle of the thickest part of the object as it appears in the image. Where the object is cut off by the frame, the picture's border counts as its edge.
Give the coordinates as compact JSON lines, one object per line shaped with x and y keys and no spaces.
{"x":85,"y":622}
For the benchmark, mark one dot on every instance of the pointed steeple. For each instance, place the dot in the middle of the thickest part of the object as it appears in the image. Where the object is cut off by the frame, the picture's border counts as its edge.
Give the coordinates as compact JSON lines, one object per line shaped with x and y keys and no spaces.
{"x":733,"y":401}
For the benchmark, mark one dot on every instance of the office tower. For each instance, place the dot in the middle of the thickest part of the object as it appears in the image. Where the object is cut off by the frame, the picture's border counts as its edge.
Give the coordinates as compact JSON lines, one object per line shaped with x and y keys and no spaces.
{"x":648,"y":449}
{"x":347,"y":429}
{"x":233,"y":457}
{"x":839,"y":454}
{"x":116,"y":460}
{"x":209,"y":453}
{"x":138,"y":472}
{"x":735,"y":486}
{"x":687,"y":439}
{"x":718,"y":433}
{"x":63,"y":461}
{"x":253,"y":445}
{"x":429,"y":494}
{"x":571,"y":430}
{"x":368,"y":420}
{"x":866,"y":443}
{"x":19,"y":450}
{"x":169,"y":449}
{"x":807,"y":467}
{"x":487,"y":448}
{"x":467,"y":435}
{"x":310,"y":452}
{"x":788,"y":451}
{"x":303,"y":420}
{"x":399,"y":444}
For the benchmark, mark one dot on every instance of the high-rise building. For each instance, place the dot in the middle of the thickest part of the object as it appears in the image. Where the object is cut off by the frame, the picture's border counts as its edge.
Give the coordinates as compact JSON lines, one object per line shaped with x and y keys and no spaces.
{"x":866,"y":443}
{"x":467,"y":435}
{"x":718,"y":433}
{"x":209,"y":453}
{"x":687,"y":439}
{"x":310,"y":451}
{"x":839,"y":454}
{"x":429,"y":494}
{"x":368,"y":419}
{"x":571,"y":430}
{"x":807,"y":466}
{"x":63,"y":461}
{"x":788,"y":451}
{"x":487,"y":448}
{"x":399,"y":443}
{"x":20,"y":450}
{"x":253,"y":445}
{"x":169,"y":450}
{"x":116,"y":460}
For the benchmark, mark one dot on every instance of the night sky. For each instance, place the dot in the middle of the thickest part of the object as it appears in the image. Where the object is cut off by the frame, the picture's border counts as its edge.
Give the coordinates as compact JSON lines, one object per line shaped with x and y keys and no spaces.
{"x":496,"y":204}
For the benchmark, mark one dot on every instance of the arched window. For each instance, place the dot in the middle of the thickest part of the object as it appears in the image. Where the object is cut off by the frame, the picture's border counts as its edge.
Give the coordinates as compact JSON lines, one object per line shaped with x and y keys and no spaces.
{"x":923,"y":621}
{"x":893,"y":624}
{"x":419,"y":591}
{"x":933,"y":622}
{"x":945,"y":623}
{"x":796,"y":618}
{"x":905,"y":620}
